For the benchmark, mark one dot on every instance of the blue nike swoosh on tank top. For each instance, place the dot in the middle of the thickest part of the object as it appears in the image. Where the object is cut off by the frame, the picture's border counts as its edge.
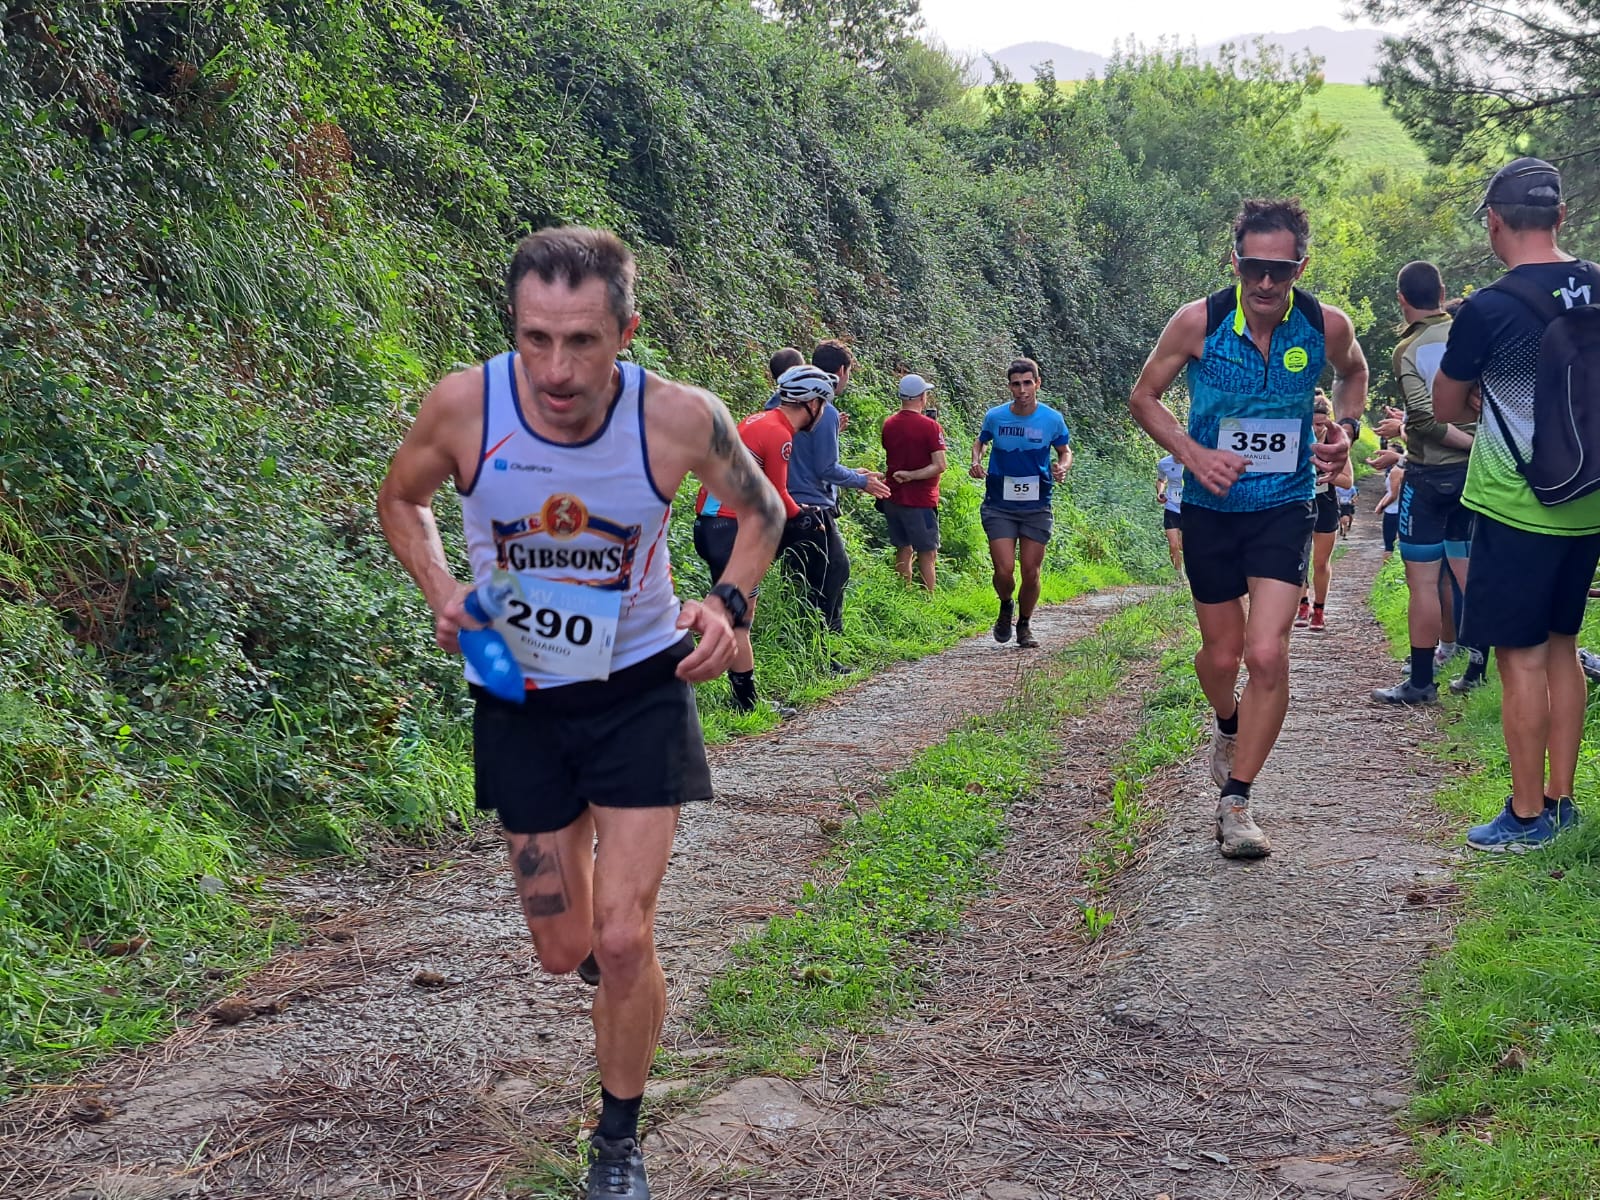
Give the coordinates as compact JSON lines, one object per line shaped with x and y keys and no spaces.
{"x":1231,"y":379}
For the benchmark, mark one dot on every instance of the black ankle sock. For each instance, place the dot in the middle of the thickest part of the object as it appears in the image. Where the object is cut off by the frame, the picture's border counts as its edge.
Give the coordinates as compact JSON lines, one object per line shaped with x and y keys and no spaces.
{"x":1319,"y":607}
{"x":618,"y":1118}
{"x":1421,"y":666}
{"x":1477,"y":663}
{"x":1236,"y":787}
{"x":1229,"y":725}
{"x":744,"y":690}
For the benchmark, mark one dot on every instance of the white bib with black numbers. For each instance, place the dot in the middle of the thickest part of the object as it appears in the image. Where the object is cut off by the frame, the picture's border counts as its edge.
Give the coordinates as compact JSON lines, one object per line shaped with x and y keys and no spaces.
{"x":1272,"y":446}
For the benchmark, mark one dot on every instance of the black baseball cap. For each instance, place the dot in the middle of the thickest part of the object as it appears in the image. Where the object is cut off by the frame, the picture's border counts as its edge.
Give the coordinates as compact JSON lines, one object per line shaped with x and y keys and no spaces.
{"x":1529,"y":181}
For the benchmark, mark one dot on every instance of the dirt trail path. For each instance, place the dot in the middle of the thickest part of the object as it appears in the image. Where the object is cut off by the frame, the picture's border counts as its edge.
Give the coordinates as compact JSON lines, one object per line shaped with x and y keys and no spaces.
{"x":356,"y":1083}
{"x":1242,"y":1032}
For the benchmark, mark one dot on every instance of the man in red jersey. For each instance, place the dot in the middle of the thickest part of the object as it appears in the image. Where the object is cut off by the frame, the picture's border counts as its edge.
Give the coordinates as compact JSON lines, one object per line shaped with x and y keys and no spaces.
{"x":769,"y":436}
{"x":914,"y":450}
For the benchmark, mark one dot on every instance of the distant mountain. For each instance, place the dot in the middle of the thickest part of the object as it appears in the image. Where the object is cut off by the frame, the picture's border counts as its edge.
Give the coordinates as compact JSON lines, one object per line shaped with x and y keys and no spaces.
{"x":1021,"y":59}
{"x":1350,"y":55}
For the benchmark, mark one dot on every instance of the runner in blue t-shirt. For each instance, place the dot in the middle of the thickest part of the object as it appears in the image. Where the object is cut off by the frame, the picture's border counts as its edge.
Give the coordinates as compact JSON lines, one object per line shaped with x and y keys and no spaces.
{"x":1023,"y":436}
{"x":1169,"y":492}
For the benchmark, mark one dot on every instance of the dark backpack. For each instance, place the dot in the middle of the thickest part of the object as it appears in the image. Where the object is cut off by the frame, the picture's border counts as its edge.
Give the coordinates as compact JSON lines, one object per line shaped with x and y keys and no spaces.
{"x":1565,"y":463}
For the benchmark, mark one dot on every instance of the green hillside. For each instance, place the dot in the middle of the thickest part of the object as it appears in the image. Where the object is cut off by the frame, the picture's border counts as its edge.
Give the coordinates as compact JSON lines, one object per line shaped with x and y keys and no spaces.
{"x":1373,"y":137}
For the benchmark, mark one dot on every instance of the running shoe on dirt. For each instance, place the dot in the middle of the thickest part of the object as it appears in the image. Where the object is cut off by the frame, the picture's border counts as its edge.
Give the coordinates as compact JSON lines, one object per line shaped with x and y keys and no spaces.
{"x":1319,"y":621}
{"x":1303,"y":617}
{"x":1223,"y":746}
{"x":783,"y":711}
{"x":1406,"y":692}
{"x":1467,"y":683}
{"x":589,"y":971}
{"x":1025,"y":637}
{"x":1002,"y":623}
{"x":1564,"y":811}
{"x":1237,"y":833}
{"x":1509,"y":833}
{"x":616,"y":1170}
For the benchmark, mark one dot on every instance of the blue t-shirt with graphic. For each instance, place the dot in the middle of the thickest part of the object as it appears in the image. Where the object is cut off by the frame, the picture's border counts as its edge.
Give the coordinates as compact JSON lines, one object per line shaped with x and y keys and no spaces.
{"x":1020,"y":457}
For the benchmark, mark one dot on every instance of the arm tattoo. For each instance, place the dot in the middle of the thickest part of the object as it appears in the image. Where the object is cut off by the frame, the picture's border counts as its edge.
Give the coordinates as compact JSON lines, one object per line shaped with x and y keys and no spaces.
{"x":751,"y":492}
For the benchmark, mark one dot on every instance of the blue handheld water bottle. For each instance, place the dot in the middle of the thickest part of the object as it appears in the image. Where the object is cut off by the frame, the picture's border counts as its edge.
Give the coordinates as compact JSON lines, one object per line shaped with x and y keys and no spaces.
{"x":487,"y":651}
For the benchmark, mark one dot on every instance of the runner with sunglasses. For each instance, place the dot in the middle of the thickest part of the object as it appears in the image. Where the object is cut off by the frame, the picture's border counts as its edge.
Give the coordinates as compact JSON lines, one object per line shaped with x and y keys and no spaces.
{"x":1253,"y":354}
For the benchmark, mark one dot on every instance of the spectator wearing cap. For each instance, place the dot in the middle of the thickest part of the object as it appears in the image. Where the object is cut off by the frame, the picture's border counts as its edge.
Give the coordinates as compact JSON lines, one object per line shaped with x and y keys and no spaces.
{"x":1531,"y":562}
{"x":914,"y":455}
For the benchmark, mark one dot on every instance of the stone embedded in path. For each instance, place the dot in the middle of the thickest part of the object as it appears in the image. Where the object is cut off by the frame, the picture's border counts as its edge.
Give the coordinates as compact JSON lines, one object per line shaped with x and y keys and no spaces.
{"x":742,"y":1125}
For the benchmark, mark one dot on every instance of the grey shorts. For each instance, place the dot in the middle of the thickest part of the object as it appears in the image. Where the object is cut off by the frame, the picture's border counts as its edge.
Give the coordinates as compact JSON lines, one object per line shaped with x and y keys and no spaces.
{"x":914,"y":527}
{"x":1000,"y":525}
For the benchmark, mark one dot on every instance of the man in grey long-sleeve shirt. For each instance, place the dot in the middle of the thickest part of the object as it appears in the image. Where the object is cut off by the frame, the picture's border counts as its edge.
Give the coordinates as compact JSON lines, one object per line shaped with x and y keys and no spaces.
{"x":815,"y":475}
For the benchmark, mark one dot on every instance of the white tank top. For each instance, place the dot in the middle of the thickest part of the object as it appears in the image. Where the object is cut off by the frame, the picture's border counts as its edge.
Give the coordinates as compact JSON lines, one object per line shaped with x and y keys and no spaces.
{"x":1394,"y":505}
{"x":580,"y":528}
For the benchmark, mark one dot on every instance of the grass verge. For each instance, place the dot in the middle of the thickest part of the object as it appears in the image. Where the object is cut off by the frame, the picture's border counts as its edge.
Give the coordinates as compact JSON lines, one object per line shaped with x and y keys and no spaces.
{"x":1509,"y":1038}
{"x":1172,"y":724}
{"x":905,"y":870}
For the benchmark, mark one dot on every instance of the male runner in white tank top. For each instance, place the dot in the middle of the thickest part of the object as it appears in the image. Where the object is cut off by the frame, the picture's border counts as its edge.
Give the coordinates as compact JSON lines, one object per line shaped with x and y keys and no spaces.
{"x":566,"y":461}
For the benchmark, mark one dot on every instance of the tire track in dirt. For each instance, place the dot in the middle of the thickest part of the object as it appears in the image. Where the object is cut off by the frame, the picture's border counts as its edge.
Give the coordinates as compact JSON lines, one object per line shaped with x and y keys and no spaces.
{"x":1243,"y":1032}
{"x":364,"y":1085}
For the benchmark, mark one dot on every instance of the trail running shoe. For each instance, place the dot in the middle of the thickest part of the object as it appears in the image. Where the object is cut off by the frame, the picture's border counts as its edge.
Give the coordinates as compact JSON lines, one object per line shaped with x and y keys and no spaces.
{"x":1319,"y":621}
{"x":1447,"y":652}
{"x":784,"y":711}
{"x":589,"y":971}
{"x":1406,"y":692}
{"x":1467,"y":683}
{"x":1564,"y":812}
{"x":1509,"y":833}
{"x":616,"y":1170}
{"x":1303,"y":617}
{"x":1237,"y":833}
{"x":1025,"y":638}
{"x":1590,"y":662}
{"x":1223,"y":746}
{"x":1002,"y":623}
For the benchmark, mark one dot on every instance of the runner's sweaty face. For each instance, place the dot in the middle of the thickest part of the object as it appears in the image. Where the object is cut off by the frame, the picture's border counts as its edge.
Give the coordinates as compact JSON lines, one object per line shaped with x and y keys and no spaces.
{"x":1263,"y":295}
{"x":1024,"y":389}
{"x":567,"y":343}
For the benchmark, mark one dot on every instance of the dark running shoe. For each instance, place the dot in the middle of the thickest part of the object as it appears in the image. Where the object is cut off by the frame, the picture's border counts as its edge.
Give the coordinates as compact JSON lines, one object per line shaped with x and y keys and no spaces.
{"x":1025,"y":637}
{"x":589,"y":971}
{"x":1002,"y":623}
{"x":1406,"y":692}
{"x":616,"y":1170}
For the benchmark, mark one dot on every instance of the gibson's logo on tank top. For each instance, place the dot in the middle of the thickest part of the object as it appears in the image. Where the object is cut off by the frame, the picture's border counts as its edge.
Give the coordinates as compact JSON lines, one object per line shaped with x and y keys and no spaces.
{"x":565,"y":543}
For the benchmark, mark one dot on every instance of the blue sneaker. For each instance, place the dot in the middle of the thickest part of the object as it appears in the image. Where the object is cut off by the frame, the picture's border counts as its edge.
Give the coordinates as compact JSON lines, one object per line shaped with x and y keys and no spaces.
{"x":1563,"y":811}
{"x":1510,"y":832}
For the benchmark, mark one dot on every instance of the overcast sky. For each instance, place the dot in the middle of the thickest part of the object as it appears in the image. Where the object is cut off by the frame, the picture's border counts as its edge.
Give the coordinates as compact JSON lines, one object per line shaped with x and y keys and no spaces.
{"x":990,"y":25}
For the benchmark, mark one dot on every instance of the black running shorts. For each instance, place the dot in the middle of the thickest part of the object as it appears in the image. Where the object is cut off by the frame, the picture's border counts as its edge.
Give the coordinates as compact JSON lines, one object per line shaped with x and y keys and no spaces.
{"x":1326,"y":507}
{"x":1223,"y":551}
{"x":1170,"y":519}
{"x":631,"y":741}
{"x":1525,"y":586}
{"x":713,"y":542}
{"x":1432,"y":516}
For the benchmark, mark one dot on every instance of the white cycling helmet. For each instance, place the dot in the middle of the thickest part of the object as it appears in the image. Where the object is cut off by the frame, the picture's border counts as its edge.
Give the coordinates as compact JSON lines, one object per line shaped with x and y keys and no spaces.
{"x":803,"y":384}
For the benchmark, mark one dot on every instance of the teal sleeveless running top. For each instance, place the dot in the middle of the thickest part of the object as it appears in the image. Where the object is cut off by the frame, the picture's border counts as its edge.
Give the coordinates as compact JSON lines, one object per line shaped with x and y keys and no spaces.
{"x":1230,"y":380}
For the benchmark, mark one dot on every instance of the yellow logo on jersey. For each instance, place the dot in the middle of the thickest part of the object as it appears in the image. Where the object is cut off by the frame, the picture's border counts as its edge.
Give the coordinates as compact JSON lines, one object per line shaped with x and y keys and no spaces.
{"x":1296,"y":359}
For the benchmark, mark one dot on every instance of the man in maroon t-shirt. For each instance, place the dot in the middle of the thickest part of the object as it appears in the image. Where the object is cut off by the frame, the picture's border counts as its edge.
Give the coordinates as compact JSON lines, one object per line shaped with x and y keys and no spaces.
{"x":914,"y":446}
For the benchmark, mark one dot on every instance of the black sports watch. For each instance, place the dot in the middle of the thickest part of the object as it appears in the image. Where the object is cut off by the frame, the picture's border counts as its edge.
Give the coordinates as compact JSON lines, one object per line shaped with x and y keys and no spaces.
{"x":735,"y":602}
{"x":1353,"y":424}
